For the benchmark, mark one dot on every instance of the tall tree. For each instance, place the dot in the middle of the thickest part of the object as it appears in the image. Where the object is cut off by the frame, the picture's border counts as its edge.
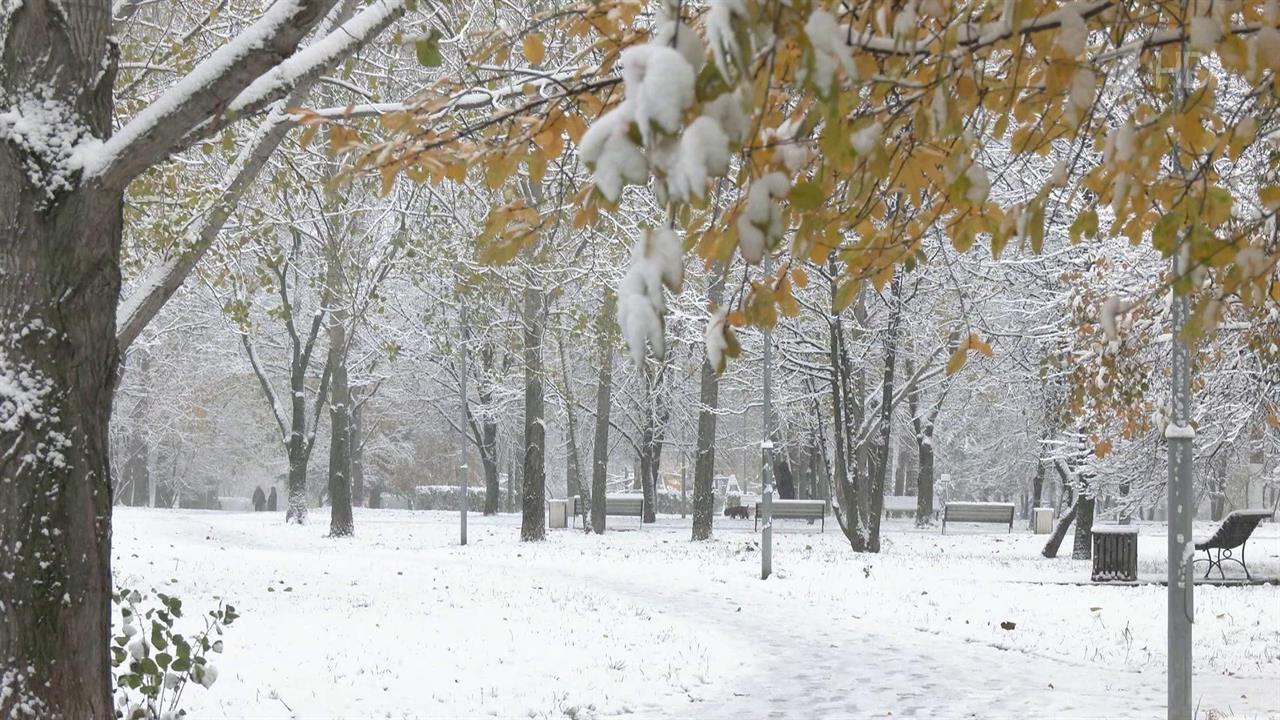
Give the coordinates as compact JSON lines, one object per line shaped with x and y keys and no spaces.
{"x":533,"y":524}
{"x":63,"y":175}
{"x":604,"y":392}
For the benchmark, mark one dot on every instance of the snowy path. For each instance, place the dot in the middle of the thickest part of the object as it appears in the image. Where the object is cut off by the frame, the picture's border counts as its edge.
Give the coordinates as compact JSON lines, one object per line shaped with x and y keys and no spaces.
{"x":832,"y":667}
{"x":401,"y":622}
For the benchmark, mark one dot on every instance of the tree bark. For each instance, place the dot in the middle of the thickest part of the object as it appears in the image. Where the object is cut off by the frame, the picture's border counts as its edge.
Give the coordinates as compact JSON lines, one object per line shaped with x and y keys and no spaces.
{"x":59,"y":284}
{"x":1082,"y":549}
{"x":341,"y":522}
{"x":1059,"y":533}
{"x":604,"y":392}
{"x":704,"y":466}
{"x":486,"y":430}
{"x":533,"y":525}
{"x":886,"y":415}
{"x":573,"y":469}
{"x":847,"y":412}
{"x":924,"y":481}
{"x":137,"y":464}
{"x":357,"y":454}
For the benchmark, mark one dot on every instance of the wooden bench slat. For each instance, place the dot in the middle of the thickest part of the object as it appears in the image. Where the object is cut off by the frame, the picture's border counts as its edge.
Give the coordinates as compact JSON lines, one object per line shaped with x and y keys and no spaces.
{"x":978,"y":513}
{"x":796,"y":510}
{"x":620,"y":505}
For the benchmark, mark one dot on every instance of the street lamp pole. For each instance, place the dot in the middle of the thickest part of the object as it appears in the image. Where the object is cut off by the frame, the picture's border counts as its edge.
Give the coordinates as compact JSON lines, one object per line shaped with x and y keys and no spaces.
{"x":462,"y":434}
{"x":1180,"y":437}
{"x":766,"y":447}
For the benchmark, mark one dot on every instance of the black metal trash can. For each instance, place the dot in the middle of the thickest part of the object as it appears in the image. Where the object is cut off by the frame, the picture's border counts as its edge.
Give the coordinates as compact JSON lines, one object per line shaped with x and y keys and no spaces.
{"x":1115,"y":553}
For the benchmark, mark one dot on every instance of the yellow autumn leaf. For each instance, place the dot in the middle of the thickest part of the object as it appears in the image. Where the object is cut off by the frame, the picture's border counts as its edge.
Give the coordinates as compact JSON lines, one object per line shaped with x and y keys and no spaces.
{"x":976,"y":343}
{"x":1270,"y":197}
{"x":534,"y":49}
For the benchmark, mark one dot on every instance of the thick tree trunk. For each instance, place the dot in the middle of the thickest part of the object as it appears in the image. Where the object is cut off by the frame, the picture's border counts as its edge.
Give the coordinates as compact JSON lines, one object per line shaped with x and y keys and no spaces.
{"x":296,"y":489}
{"x":489,"y":459}
{"x":846,"y":415}
{"x":704,"y":466}
{"x":604,"y":393}
{"x":341,"y":523}
{"x":924,"y":481}
{"x":1037,"y":485}
{"x":137,"y":464}
{"x":1218,"y":489}
{"x":573,"y":469}
{"x":646,"y":475}
{"x":1083,"y":547}
{"x":357,"y":455}
{"x":488,"y":433}
{"x":1059,"y":533}
{"x":886,"y":415}
{"x":59,"y":284}
{"x":783,"y":478}
{"x":533,"y":525}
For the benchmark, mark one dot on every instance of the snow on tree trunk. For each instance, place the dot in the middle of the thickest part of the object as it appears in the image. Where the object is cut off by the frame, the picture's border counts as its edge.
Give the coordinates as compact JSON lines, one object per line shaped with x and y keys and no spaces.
{"x":59,"y":284}
{"x":852,"y":514}
{"x":533,"y":525}
{"x":883,"y":448}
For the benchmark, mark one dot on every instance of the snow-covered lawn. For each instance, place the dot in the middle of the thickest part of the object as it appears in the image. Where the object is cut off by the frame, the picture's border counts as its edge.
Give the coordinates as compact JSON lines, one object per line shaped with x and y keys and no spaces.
{"x":401,"y":622}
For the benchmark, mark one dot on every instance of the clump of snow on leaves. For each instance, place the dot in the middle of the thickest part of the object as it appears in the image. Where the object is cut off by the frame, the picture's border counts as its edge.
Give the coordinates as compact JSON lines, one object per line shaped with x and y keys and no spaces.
{"x":704,"y":153}
{"x":761,"y":219}
{"x":657,"y":261}
{"x":790,"y":149}
{"x":864,"y":141}
{"x":721,"y":15}
{"x":829,"y":50}
{"x":718,"y":338}
{"x":608,"y":150}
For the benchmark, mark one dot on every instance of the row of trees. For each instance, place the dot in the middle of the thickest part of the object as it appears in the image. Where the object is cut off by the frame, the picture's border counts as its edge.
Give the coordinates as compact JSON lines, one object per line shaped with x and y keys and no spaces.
{"x":532,"y":160}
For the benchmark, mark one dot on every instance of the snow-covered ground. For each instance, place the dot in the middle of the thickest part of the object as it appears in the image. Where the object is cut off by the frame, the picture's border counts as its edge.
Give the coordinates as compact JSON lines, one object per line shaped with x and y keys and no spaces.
{"x":401,"y":622}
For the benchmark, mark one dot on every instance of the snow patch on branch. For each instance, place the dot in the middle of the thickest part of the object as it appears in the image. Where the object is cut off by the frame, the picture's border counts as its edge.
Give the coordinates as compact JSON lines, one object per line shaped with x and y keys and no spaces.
{"x":97,"y":156}
{"x":829,"y":51}
{"x":318,"y":55}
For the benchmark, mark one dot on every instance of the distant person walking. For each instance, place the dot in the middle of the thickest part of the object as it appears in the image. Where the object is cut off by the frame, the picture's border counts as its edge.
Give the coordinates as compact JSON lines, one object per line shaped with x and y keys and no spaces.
{"x":271,"y":501}
{"x":259,"y":500}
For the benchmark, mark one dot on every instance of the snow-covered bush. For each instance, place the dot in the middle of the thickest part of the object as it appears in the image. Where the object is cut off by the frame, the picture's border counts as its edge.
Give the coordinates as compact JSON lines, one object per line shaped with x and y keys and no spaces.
{"x":447,"y":497}
{"x":152,"y":663}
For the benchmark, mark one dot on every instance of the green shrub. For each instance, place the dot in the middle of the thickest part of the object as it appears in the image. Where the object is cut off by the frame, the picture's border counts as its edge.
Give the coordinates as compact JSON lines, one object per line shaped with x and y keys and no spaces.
{"x":152,"y":663}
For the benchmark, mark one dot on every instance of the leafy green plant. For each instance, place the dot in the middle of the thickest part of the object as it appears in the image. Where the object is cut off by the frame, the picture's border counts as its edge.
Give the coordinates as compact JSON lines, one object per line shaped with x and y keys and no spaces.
{"x":152,"y":663}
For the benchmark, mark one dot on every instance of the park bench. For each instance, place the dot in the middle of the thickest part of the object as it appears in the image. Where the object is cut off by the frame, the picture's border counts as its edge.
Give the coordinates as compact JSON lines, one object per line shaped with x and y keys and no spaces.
{"x":621,"y":505}
{"x":1233,"y":533}
{"x":977,"y":512}
{"x":795,"y":510}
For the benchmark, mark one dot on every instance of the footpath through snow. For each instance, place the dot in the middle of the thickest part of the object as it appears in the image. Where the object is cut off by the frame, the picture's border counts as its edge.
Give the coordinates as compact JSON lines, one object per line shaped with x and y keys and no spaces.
{"x":401,"y":622}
